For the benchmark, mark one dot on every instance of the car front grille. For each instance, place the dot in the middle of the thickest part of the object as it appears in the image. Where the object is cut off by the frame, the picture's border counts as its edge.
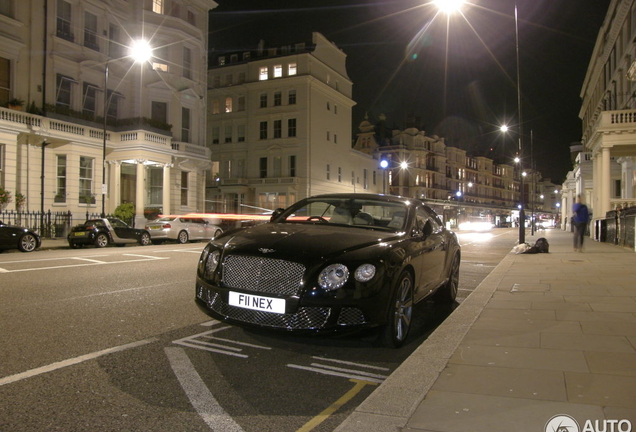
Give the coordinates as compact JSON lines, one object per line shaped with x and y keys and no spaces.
{"x":307,"y":318}
{"x":351,"y":316}
{"x":265,"y":275}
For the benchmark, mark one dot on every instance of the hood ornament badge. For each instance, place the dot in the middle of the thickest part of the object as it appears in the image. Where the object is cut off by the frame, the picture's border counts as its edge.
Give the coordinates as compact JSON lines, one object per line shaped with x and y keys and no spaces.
{"x":266,"y":250}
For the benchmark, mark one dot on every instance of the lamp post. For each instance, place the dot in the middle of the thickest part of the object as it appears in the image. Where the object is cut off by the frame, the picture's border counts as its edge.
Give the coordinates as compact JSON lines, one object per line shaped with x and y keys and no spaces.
{"x":522,"y":215}
{"x":384,"y":164}
{"x":141,"y":52}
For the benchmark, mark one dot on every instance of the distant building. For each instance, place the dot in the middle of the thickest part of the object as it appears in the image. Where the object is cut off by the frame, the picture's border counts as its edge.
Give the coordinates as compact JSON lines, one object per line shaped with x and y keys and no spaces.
{"x":58,"y":66}
{"x":279,"y":128}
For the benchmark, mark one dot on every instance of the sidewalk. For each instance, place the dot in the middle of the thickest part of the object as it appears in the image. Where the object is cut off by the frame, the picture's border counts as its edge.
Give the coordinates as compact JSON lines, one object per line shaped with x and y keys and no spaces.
{"x":543,"y":335}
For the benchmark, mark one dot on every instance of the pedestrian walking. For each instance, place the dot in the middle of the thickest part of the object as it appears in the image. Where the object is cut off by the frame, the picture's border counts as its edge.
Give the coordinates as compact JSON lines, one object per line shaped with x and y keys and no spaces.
{"x":580,"y":219}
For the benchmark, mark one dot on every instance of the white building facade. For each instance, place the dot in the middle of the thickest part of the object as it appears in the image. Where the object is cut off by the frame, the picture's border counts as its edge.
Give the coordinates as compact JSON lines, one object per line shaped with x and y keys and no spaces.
{"x":279,"y":128}
{"x":608,"y":112}
{"x":58,"y":57}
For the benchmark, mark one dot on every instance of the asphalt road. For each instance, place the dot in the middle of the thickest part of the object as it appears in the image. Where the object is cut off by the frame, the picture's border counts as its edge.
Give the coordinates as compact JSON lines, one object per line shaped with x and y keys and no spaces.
{"x":110,"y":339}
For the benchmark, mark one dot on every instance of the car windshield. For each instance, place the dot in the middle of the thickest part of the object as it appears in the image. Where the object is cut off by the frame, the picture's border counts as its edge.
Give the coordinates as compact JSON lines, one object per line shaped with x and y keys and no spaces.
{"x":357,"y":212}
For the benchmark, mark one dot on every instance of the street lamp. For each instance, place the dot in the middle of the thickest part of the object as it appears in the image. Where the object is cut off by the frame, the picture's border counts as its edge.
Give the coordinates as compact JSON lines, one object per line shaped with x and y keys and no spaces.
{"x":522,"y":215}
{"x":384,"y":164}
{"x":141,"y":52}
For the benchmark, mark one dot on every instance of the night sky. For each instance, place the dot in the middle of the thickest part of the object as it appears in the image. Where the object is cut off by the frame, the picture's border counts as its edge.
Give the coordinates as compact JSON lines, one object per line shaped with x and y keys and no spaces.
{"x":396,"y":58}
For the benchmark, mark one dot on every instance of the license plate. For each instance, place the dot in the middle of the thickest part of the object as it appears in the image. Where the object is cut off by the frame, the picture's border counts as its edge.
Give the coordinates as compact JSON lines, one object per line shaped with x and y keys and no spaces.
{"x":248,"y":301}
{"x":155,"y":227}
{"x":79,"y":234}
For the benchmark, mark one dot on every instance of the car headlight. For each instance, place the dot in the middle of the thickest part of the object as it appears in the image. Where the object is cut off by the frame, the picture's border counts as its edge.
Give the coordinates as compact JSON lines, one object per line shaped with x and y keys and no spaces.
{"x":365,"y":273}
{"x":212,"y":263}
{"x":333,"y":276}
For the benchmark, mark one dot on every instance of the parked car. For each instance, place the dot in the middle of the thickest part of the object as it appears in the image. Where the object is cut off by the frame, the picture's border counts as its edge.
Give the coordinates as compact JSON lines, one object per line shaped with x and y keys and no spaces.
{"x":104,"y":231}
{"x":182,"y":229}
{"x":331,"y":263}
{"x":16,"y":237}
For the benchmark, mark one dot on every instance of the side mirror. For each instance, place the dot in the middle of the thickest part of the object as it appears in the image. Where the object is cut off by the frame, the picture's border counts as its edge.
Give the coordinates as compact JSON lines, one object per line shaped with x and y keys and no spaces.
{"x":276,"y":213}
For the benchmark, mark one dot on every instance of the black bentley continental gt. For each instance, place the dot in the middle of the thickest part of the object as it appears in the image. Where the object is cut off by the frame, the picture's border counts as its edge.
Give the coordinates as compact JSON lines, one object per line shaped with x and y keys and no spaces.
{"x":330,"y":263}
{"x":17,"y":237}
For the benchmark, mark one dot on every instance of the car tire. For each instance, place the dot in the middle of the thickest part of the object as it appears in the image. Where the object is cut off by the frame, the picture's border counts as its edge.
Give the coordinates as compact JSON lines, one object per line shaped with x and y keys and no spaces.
{"x":447,"y":293}
{"x":400,"y":314}
{"x":27,"y":243}
{"x":145,"y":240}
{"x":101,"y":240}
{"x":182,"y":237}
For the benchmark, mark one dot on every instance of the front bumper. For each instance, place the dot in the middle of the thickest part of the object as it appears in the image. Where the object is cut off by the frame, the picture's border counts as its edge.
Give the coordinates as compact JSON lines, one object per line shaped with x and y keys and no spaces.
{"x":316,"y":318}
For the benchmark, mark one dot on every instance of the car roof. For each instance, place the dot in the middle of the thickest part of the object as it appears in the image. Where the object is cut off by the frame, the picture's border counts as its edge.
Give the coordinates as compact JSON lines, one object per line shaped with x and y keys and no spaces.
{"x":381,"y":197}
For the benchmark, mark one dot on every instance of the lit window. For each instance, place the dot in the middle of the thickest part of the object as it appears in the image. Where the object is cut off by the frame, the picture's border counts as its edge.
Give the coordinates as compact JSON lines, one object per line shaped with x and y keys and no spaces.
{"x":228,"y":104}
{"x":278,"y":71}
{"x":291,"y":70}
{"x":263,"y":73}
{"x":157,"y":6}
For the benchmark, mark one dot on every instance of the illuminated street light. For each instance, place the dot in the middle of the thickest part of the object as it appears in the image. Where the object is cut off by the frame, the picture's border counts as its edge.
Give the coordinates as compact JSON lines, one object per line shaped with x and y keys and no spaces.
{"x":404,"y":165}
{"x":141,"y":52}
{"x":449,"y":6}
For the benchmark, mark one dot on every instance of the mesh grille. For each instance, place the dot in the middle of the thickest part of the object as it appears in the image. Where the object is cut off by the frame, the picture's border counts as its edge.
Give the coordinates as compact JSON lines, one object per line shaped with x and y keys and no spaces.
{"x":306,"y":318}
{"x":264,"y":275}
{"x":350,"y":316}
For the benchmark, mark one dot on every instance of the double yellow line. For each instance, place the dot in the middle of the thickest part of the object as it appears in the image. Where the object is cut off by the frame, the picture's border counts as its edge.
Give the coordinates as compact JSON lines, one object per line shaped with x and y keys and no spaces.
{"x":357,"y":388}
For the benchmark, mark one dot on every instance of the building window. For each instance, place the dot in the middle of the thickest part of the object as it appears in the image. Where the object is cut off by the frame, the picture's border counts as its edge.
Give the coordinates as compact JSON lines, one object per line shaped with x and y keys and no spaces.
{"x":185,"y":125}
{"x":221,"y":61}
{"x":241,"y":77}
{"x":335,"y":109}
{"x":278,"y":128}
{"x":240,"y":131}
{"x":292,"y":166}
{"x":216,"y":81}
{"x":90,"y":31}
{"x":63,"y":96}
{"x":157,"y":6}
{"x":278,"y":98}
{"x":216,"y":106}
{"x":353,"y":177}
{"x":263,"y":130}
{"x":216,"y":132}
{"x":159,"y":59}
{"x":241,"y":103}
{"x":365,"y":182}
{"x":228,"y":133}
{"x":154,"y":195}
{"x":263,"y":100}
{"x":60,"y":186}
{"x":5,"y":80}
{"x":335,"y":138}
{"x":292,"y":97}
{"x":113,"y":106}
{"x":86,"y":181}
{"x":278,"y":166}
{"x":263,"y":73}
{"x":159,"y":111}
{"x":291,"y":127}
{"x":262,"y":167}
{"x":328,"y":172}
{"x":115,"y":47}
{"x":328,"y":107}
{"x":328,"y":136}
{"x":229,"y":80}
{"x":191,"y":18}
{"x":228,"y":104}
{"x":291,"y":69}
{"x":339,"y":174}
{"x":64,"y":20}
{"x":6,"y":8}
{"x":184,"y":187}
{"x":89,"y":102}
{"x":278,"y":71}
{"x":176,"y":9}
{"x":187,"y":63}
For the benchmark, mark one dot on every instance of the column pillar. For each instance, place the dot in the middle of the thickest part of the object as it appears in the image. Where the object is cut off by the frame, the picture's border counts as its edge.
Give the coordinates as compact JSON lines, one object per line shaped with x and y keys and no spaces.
{"x":140,"y":193}
{"x":605,"y":181}
{"x":166,"y":190}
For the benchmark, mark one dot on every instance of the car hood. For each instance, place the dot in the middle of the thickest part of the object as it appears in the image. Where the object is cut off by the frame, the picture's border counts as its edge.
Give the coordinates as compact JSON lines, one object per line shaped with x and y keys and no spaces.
{"x":311,"y":240}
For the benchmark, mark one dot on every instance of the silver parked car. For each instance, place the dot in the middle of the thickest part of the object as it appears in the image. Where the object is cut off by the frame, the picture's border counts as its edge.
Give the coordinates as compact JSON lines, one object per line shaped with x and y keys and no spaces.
{"x":182,"y":229}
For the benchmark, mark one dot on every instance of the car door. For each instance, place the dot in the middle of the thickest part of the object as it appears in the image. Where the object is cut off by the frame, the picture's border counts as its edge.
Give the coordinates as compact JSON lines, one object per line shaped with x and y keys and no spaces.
{"x":122,"y":230}
{"x":428,"y":233}
{"x":197,"y":228}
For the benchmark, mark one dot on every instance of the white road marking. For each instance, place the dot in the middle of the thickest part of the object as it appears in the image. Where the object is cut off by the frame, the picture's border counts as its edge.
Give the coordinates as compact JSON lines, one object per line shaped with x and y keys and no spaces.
{"x":352,"y":363}
{"x":69,"y":362}
{"x":354,"y":375}
{"x":92,"y":263}
{"x":199,"y":394}
{"x":195,"y":341}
